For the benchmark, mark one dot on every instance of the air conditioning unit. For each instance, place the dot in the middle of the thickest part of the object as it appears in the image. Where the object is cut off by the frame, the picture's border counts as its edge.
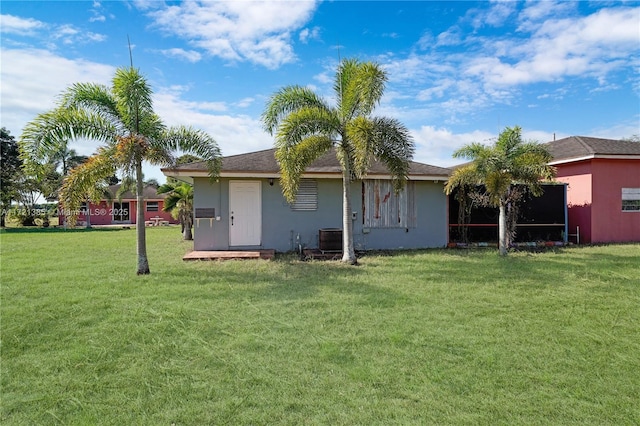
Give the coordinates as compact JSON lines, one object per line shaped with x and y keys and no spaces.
{"x":330,"y":239}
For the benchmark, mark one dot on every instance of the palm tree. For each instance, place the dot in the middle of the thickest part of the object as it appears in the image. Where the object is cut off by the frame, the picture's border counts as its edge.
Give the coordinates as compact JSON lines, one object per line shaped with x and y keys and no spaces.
{"x":67,"y":158}
{"x":122,"y":118}
{"x":306,"y":127}
{"x":179,"y":202}
{"x":499,"y":167}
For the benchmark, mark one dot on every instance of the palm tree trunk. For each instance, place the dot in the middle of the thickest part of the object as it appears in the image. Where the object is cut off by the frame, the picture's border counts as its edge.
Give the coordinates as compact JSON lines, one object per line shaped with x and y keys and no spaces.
{"x":502,"y":229}
{"x":143,"y":262}
{"x":348,"y":253}
{"x":187,"y":223}
{"x":87,"y":215}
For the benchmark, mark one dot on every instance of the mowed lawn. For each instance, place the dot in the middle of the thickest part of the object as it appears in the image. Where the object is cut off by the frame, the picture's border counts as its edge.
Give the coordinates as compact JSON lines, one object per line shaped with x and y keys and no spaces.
{"x":424,"y":337}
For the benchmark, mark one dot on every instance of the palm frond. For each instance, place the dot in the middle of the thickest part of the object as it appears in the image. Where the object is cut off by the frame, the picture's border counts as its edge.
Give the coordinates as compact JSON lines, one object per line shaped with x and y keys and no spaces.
{"x":345,"y":94}
{"x":286,"y":101}
{"x":461,"y":177}
{"x":86,"y":182}
{"x":42,"y":136}
{"x":471,"y":151}
{"x":360,"y":134}
{"x":192,"y":141}
{"x":89,"y":96}
{"x":294,"y":159}
{"x":306,"y":122}
{"x":365,"y":88}
{"x":133,"y":97}
{"x":358,"y":87}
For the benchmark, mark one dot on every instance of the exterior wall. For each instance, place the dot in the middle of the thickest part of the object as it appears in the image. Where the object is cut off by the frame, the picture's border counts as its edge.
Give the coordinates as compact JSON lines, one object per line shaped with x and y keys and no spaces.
{"x":102,"y":213}
{"x":579,"y":197}
{"x":430,"y":229}
{"x":608,"y":222}
{"x":283,"y":228}
{"x":160,"y":213}
{"x":594,"y":198}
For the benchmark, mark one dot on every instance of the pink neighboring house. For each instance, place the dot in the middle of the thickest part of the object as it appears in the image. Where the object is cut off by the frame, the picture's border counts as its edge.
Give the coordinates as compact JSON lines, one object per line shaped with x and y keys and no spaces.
{"x":123,"y":211}
{"x":603,"y":194}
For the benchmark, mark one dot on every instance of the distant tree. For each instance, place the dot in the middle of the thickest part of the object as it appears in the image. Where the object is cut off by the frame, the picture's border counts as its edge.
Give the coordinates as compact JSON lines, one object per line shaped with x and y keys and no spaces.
{"x":152,"y":182}
{"x":188,"y":158}
{"x":122,"y":117}
{"x":306,"y":127}
{"x":67,"y":158}
{"x":499,"y":168}
{"x":10,"y":172}
{"x":632,"y":138}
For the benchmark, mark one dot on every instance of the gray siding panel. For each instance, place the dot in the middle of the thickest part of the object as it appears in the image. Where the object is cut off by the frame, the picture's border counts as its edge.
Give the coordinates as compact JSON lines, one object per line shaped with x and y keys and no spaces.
{"x":283,"y":227}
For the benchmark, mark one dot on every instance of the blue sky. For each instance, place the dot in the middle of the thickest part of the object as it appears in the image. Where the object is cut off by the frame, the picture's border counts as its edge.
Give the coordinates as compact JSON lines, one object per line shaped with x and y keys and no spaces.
{"x":459,"y":72}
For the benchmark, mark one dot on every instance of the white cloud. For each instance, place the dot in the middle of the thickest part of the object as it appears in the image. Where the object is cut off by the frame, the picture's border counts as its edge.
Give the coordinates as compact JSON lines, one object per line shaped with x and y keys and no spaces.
{"x":28,"y":89}
{"x":436,"y":91}
{"x":450,"y":37}
{"x":536,"y":12}
{"x":10,"y":24}
{"x":426,"y":41}
{"x":188,"y":55}
{"x":498,"y":12}
{"x":494,"y":69}
{"x":96,"y":11}
{"x":172,"y":95}
{"x":244,"y":103}
{"x":591,"y":46}
{"x":309,"y":34}
{"x":71,"y":35}
{"x":618,"y":131}
{"x":25,"y":93}
{"x":436,"y":145}
{"x":238,"y":31}
{"x":234,"y":134}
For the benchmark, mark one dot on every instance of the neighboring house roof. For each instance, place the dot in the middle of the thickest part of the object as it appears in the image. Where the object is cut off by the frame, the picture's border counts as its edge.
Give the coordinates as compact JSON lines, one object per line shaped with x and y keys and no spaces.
{"x":576,"y":148}
{"x":264,"y":164}
{"x":150,"y":192}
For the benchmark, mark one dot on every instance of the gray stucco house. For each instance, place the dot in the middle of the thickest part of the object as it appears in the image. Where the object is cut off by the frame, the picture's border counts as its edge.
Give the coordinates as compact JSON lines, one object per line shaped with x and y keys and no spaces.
{"x":244,"y":209}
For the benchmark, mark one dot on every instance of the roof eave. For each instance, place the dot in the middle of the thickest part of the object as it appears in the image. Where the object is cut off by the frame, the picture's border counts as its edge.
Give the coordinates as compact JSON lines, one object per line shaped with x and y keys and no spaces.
{"x":595,"y":156}
{"x":182,"y":174}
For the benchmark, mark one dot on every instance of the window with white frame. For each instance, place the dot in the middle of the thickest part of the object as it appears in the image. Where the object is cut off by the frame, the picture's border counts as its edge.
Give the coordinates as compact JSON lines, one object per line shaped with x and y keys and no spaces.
{"x":384,"y":208}
{"x":307,"y":196}
{"x":631,"y":199}
{"x":152,"y":206}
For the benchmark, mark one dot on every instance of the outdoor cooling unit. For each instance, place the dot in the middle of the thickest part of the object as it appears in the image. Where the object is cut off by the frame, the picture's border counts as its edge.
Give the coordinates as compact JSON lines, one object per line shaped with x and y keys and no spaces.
{"x":330,"y":239}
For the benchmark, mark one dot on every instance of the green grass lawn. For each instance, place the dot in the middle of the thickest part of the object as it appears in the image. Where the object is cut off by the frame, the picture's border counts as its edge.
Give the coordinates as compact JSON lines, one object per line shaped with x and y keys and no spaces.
{"x":426,"y":337}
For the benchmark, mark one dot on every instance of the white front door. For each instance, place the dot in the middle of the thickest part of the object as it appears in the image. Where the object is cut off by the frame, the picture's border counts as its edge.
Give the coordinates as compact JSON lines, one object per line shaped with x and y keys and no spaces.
{"x":245,"y":213}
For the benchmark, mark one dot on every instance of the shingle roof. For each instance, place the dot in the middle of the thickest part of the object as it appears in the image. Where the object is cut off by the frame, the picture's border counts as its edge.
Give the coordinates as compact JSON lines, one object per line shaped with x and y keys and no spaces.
{"x":583,"y":146}
{"x":262,"y":162}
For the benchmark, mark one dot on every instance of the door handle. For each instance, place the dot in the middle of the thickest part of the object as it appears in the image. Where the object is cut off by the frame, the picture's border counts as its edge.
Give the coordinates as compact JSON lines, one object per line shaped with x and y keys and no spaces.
{"x":231,"y":220}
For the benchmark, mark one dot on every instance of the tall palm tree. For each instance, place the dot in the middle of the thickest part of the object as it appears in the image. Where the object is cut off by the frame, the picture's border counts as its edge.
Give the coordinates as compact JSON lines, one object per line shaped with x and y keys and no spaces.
{"x":179,"y":202}
{"x":122,"y":118}
{"x":499,"y":167}
{"x":306,"y":127}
